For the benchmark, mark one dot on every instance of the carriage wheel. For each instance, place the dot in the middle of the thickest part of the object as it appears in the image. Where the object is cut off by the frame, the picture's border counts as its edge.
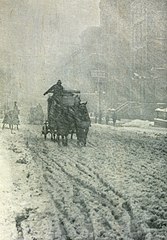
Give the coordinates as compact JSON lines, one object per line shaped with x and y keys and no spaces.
{"x":44,"y":131}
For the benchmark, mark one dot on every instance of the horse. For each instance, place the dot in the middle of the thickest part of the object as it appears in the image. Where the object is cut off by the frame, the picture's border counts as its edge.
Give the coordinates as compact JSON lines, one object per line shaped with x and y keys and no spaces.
{"x":72,"y":121}
{"x":57,"y":116}
{"x":83,"y":123}
{"x":65,"y":120}
{"x":63,"y":125}
{"x":5,"y":120}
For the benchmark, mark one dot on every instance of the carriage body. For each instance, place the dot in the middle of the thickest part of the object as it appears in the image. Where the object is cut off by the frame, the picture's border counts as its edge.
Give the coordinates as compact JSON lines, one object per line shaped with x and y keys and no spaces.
{"x":67,"y":115}
{"x":67,"y":101}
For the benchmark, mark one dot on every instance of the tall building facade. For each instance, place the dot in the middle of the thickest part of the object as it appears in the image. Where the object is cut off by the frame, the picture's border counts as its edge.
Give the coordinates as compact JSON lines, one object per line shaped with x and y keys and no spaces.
{"x":148,"y":54}
{"x":114,"y":21}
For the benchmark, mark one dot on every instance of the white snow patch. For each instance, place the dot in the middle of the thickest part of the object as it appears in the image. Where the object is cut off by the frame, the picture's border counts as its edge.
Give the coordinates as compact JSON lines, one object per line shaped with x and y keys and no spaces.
{"x":138,"y":123}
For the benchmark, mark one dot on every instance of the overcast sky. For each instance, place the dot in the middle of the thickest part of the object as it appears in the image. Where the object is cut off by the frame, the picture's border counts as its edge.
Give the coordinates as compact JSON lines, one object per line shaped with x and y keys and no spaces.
{"x":35,"y":34}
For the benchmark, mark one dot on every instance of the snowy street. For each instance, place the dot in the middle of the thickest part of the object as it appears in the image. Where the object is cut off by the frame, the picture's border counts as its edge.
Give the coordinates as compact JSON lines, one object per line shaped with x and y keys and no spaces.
{"x":114,"y":188}
{"x":95,"y":69}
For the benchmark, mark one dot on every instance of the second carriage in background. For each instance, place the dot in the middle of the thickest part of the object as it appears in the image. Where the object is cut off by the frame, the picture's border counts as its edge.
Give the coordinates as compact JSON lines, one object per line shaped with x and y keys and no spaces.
{"x":36,"y":115}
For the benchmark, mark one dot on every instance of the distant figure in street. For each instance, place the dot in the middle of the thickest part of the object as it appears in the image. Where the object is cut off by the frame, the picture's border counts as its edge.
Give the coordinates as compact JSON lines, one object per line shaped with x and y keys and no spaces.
{"x":16,"y":112}
{"x":15,"y":108}
{"x":100,"y":118}
{"x":107,"y":118}
{"x":114,"y":117}
{"x":95,"y":117}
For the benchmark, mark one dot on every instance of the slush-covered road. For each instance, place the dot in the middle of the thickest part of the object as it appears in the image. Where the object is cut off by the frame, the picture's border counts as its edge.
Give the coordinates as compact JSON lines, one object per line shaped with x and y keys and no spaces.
{"x":114,"y":188}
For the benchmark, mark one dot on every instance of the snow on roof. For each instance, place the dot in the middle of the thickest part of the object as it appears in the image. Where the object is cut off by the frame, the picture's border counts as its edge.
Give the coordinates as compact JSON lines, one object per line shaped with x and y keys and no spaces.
{"x":161,"y":109}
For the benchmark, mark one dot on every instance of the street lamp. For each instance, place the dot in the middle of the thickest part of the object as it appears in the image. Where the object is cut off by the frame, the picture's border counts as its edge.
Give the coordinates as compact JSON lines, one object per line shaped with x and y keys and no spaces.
{"x":99,"y":105}
{"x":142,"y":92}
{"x":99,"y":75}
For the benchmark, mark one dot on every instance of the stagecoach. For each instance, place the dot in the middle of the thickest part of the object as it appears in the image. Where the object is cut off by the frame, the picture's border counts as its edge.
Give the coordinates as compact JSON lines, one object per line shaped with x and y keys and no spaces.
{"x":11,"y":118}
{"x":67,"y":115}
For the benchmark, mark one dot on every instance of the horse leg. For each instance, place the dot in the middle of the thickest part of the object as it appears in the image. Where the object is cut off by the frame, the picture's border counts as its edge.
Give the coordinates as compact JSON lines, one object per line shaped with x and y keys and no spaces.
{"x":86,"y":134}
{"x":79,"y":140}
{"x":66,"y":137}
{"x":85,"y":141}
{"x":65,"y":140}
{"x":72,"y":132}
{"x":44,"y":131}
{"x":55,"y":137}
{"x":52,"y":135}
{"x":11,"y":127}
{"x":82,"y":137}
{"x":45,"y":136}
{"x":58,"y":139}
{"x":78,"y":137}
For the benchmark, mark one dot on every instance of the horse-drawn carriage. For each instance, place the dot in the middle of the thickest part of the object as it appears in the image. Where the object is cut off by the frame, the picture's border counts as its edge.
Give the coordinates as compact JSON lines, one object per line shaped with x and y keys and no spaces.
{"x":36,"y":115}
{"x":11,"y":117}
{"x":67,"y":115}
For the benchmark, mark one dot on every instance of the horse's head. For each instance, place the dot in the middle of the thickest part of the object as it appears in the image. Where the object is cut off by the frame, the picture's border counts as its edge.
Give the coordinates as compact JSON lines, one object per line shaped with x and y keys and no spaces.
{"x":84,"y":103}
{"x":83,"y":108}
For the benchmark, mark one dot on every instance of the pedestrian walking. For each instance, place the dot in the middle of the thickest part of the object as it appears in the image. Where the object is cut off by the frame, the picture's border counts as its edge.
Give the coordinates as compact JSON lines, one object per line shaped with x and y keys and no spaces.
{"x":114,"y":117}
{"x":107,"y":119}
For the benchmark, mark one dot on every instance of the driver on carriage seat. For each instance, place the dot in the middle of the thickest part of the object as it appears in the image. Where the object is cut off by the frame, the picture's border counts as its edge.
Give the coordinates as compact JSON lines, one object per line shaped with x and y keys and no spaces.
{"x":56,"y":89}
